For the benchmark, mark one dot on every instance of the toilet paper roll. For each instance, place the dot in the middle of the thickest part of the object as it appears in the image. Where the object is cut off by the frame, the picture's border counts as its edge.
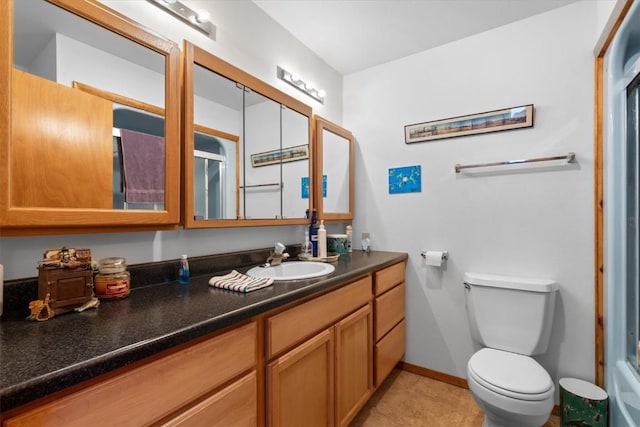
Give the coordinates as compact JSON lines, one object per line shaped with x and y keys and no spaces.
{"x":434,"y":258}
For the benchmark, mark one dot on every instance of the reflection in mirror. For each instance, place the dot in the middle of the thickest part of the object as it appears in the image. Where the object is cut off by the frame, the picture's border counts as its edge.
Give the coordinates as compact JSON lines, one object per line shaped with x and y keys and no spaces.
{"x":334,"y":173}
{"x":261,"y":195}
{"x":215,"y":188}
{"x":59,"y":46}
{"x":217,"y":106}
{"x":296,"y":166}
{"x":335,"y":166}
{"x":133,"y":128}
{"x":55,"y":44}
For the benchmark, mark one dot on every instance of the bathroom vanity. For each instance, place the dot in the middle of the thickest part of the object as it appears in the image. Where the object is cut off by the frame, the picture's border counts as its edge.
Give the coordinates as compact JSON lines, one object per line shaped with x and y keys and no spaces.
{"x":184,"y":355}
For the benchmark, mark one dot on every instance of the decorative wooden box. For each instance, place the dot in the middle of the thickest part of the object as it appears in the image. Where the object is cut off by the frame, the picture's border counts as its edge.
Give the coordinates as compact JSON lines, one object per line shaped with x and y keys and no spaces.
{"x":68,"y":279}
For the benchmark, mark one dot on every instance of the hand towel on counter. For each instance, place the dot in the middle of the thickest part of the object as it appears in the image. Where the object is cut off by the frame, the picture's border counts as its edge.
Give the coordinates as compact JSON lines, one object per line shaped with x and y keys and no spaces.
{"x":142,"y":167}
{"x":239,"y":282}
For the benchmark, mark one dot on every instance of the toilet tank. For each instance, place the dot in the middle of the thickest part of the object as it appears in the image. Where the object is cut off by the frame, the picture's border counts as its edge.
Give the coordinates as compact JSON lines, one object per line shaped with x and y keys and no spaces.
{"x":510,"y":313}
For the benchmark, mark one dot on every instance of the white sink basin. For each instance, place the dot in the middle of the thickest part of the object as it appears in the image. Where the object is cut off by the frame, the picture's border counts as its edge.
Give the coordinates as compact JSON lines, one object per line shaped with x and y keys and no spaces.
{"x":293,"y":270}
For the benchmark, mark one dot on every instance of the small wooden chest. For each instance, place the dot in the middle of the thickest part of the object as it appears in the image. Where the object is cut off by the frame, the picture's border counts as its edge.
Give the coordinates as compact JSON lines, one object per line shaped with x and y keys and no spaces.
{"x":68,"y":287}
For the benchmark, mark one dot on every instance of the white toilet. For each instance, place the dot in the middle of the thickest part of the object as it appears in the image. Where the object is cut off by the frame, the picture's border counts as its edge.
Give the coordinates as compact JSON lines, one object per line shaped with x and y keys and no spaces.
{"x":512,"y":318}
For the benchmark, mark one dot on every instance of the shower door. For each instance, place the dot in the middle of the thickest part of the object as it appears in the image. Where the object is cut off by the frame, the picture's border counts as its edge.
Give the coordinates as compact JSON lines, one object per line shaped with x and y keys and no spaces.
{"x":632,"y":185}
{"x":209,"y":184}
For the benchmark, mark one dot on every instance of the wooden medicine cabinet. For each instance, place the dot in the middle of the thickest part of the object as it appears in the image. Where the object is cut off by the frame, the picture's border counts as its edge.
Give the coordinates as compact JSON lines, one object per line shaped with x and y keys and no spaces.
{"x":76,"y":77}
{"x":334,"y":145}
{"x":247,"y":148}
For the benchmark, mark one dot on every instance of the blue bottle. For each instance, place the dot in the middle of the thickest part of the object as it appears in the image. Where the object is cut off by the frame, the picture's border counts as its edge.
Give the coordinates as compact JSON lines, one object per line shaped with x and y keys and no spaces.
{"x":313,"y":234}
{"x":183,"y":273}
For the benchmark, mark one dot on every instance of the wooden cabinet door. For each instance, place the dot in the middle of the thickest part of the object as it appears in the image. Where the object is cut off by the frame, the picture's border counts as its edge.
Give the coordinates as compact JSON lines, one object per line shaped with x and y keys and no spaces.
{"x":300,"y":385}
{"x":354,"y":367}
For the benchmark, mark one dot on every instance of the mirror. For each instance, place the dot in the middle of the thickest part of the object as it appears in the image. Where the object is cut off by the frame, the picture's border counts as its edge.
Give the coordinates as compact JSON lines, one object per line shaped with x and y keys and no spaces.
{"x":295,"y":136}
{"x":217,"y":112}
{"x":334,"y":161}
{"x":261,"y":177}
{"x":84,"y":80}
{"x":262,"y":158}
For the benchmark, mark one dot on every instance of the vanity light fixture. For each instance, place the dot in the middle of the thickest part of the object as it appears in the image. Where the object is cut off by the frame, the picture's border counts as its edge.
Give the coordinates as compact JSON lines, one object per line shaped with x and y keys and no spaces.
{"x":200,"y":20}
{"x":296,"y":81}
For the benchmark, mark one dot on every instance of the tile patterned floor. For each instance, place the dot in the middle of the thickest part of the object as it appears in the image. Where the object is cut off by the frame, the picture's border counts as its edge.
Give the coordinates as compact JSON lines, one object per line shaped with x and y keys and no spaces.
{"x":409,"y":400}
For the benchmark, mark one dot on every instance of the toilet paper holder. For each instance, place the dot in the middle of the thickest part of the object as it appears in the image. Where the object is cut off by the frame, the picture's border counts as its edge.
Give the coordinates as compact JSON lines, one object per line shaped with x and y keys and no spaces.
{"x":445,"y":255}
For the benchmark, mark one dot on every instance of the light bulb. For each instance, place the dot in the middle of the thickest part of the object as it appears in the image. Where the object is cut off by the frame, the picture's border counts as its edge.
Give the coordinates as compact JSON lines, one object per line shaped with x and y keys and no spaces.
{"x":295,"y":77}
{"x":202,"y":16}
{"x":322,"y":93}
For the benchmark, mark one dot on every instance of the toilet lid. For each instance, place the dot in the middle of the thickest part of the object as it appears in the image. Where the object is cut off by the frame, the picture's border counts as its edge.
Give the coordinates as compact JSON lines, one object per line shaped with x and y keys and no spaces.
{"x":510,"y":374}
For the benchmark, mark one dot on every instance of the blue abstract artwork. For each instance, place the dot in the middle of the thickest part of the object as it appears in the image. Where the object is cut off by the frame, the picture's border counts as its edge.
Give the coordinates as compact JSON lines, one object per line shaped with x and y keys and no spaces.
{"x":305,"y":186}
{"x":407,"y":179}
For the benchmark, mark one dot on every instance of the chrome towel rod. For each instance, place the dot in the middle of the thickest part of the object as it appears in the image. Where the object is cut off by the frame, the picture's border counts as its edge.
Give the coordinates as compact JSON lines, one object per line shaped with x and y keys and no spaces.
{"x":569,"y":157}
{"x":280,"y":184}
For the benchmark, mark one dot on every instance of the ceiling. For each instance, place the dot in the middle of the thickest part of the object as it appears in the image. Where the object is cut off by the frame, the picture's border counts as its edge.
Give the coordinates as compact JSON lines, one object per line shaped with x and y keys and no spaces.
{"x":351,"y":35}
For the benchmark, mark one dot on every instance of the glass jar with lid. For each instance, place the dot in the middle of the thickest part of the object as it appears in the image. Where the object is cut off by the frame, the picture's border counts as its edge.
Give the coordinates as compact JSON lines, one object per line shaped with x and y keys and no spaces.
{"x":113,"y":279}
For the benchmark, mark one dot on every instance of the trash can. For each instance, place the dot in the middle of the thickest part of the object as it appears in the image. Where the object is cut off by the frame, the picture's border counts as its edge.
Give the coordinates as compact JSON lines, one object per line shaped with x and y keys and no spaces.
{"x":582,"y":403}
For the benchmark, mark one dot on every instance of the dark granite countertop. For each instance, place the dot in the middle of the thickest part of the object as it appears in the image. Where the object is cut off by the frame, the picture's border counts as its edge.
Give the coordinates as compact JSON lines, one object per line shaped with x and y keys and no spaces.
{"x":40,"y":358}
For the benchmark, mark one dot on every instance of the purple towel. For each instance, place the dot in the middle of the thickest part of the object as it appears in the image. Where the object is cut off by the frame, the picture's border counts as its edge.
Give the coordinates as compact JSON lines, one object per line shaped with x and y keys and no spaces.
{"x":142,"y":167}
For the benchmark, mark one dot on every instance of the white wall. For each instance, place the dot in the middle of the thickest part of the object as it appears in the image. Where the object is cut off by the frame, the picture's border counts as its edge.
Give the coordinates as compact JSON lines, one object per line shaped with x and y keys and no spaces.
{"x":248,"y":39}
{"x":536,"y":221}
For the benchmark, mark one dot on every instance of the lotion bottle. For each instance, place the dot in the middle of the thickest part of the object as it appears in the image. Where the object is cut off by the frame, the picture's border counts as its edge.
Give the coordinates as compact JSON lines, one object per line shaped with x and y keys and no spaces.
{"x":322,"y":241}
{"x":349,"y":231}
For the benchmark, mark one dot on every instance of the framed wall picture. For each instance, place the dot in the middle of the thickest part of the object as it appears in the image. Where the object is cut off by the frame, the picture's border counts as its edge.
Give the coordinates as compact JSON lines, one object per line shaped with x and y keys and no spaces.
{"x":291,"y":154}
{"x":490,"y":121}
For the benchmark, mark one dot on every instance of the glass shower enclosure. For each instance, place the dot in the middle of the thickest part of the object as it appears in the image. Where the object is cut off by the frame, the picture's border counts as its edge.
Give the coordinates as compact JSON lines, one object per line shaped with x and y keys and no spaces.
{"x":621,"y":215}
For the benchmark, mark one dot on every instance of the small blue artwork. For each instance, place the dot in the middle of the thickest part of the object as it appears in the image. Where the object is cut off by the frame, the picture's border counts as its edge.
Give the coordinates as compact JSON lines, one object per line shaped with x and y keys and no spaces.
{"x":324,"y":185}
{"x":305,"y":186}
{"x":407,"y":179}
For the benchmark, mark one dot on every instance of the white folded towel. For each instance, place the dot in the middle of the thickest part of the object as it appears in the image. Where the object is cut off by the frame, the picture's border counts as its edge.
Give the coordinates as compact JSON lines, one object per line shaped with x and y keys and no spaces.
{"x":239,"y":282}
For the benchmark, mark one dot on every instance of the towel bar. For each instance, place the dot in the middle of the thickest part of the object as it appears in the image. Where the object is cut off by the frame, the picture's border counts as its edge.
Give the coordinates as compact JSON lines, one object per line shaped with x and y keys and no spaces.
{"x":569,"y":157}
{"x":281,"y":184}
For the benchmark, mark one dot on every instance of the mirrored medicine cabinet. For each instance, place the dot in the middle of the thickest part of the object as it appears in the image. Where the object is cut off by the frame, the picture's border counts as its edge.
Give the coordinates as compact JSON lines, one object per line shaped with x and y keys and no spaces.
{"x":92,"y":107}
{"x":247,"y":151}
{"x":334,"y":172}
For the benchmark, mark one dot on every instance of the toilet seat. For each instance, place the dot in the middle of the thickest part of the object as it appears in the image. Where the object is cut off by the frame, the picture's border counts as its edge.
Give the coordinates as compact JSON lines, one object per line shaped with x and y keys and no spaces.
{"x":511,"y":375}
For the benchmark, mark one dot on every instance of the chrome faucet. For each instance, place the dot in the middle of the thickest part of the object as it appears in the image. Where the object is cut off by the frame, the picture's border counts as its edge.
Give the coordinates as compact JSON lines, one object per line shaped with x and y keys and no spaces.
{"x":277,"y":256}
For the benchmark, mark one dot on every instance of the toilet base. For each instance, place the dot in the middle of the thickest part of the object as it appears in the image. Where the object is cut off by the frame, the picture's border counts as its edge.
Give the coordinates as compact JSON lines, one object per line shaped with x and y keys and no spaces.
{"x":494,"y":417}
{"x":493,"y":422}
{"x":500,"y":411}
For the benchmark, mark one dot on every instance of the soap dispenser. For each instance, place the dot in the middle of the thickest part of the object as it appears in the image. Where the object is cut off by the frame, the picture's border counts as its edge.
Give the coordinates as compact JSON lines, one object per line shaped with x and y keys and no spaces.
{"x":322,"y":241}
{"x":183,"y":270}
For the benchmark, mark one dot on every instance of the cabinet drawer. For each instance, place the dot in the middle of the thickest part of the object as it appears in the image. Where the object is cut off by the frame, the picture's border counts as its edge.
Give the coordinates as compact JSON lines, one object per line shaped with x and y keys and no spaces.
{"x":389,"y":310}
{"x":235,"y":405}
{"x":389,"y":351}
{"x":387,"y":278}
{"x":148,"y":393}
{"x":290,"y":327}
